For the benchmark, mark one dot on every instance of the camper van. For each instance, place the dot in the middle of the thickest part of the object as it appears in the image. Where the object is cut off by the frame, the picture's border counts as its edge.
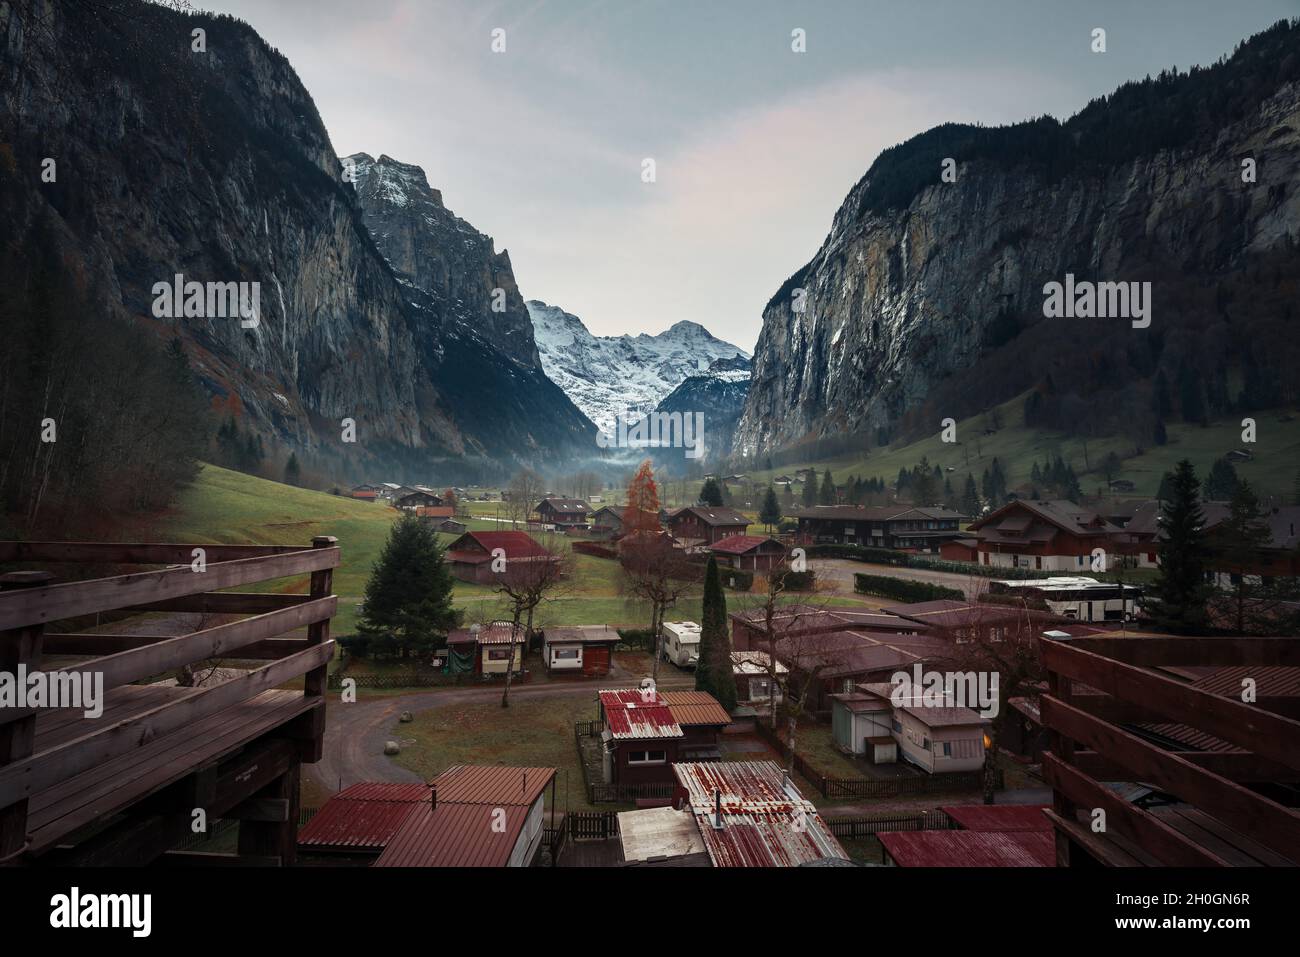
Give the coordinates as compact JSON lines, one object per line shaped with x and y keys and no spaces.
{"x":681,"y":643}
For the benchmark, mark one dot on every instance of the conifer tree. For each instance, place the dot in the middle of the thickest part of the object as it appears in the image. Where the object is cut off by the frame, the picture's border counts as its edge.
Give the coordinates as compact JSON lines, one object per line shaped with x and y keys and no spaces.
{"x":1179,"y":595}
{"x":770,"y":513}
{"x":713,"y":671}
{"x":407,"y":608}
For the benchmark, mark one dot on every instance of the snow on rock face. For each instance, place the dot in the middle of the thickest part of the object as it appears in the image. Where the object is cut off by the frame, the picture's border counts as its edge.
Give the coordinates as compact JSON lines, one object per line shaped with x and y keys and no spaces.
{"x":609,"y":375}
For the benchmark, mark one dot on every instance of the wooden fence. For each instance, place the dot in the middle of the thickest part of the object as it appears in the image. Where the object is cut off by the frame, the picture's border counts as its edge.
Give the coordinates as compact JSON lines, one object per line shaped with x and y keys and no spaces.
{"x":591,"y":825}
{"x":853,"y":828}
{"x":600,"y":793}
{"x":898,"y":787}
{"x":416,"y":679}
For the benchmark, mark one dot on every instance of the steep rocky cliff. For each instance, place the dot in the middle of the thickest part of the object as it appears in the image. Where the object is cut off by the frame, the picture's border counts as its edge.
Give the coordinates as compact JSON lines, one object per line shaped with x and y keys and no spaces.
{"x":214,"y":164}
{"x":926,"y":298}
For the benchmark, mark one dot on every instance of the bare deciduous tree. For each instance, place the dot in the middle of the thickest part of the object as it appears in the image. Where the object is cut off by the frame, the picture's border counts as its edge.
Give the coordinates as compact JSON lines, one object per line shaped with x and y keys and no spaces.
{"x":656,"y":570}
{"x":525,"y":583}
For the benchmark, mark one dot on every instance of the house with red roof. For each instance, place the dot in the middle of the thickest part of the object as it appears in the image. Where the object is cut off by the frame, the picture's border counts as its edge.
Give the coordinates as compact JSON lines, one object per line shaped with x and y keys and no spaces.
{"x":704,"y":523}
{"x":753,"y":553}
{"x":355,"y":825}
{"x":1047,"y":535}
{"x":482,"y":557}
{"x":983,"y":835}
{"x":563,"y":513}
{"x":475,"y":816}
{"x":646,"y":731}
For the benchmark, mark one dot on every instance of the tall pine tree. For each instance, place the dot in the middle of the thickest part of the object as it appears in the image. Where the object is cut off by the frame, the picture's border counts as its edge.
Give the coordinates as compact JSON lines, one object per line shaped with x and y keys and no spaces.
{"x":1180,"y":592}
{"x":408,"y":609}
{"x":770,"y":513}
{"x":713,"y":671}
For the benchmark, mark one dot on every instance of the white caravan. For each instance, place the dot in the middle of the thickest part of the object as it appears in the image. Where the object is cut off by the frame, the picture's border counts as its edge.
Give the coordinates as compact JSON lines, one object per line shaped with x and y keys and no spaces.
{"x":681,"y":643}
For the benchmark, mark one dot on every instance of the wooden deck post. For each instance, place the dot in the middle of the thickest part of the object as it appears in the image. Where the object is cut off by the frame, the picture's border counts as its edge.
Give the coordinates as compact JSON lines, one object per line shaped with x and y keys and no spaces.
{"x":279,"y":839}
{"x":17,"y":738}
{"x":322,"y":583}
{"x":1061,"y":687}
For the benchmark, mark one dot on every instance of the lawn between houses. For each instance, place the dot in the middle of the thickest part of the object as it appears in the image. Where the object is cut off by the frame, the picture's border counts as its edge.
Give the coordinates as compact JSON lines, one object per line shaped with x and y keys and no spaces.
{"x":532,"y":732}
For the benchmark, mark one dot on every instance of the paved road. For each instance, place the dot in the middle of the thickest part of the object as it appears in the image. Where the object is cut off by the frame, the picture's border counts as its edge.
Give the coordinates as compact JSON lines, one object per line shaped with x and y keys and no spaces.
{"x":840,"y":571}
{"x":355,"y":733}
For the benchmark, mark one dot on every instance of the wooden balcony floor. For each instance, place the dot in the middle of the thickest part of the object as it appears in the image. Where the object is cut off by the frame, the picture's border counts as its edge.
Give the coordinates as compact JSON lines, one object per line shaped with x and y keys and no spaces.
{"x":116,"y":784}
{"x":1237,"y":849}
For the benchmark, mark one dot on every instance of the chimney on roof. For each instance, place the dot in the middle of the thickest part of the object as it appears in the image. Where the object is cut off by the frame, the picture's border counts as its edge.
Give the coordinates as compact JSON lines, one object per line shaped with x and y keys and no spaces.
{"x":433,"y":797}
{"x":717,"y":808}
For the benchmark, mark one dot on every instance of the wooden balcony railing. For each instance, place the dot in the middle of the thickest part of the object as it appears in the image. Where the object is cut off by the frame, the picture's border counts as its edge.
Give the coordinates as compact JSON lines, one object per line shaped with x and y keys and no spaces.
{"x":1102,"y":692}
{"x":49,"y":757}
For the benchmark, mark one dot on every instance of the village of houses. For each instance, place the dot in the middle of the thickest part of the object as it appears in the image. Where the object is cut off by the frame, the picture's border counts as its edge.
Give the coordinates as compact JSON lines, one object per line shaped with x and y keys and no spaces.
{"x":699,"y":784}
{"x":813,"y":756}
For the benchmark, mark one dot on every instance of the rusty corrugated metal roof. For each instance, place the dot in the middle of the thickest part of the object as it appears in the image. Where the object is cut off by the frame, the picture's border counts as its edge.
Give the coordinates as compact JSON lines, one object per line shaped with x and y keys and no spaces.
{"x":631,"y":713}
{"x":362,"y":817}
{"x":765,"y":821}
{"x":491,"y":784}
{"x":480,"y":813}
{"x":455,"y":835}
{"x":696,"y":707}
{"x":999,"y":817}
{"x":970,"y":848}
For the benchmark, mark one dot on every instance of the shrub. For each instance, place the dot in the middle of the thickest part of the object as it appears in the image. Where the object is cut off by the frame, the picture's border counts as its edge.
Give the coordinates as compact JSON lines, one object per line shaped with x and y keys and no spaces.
{"x":800,"y":581}
{"x":736,"y":579}
{"x":859,"y":553}
{"x":903,"y":589}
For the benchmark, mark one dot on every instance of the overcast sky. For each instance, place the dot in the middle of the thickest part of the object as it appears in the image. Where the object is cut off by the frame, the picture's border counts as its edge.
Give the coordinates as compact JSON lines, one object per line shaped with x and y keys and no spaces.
{"x":541,"y":146}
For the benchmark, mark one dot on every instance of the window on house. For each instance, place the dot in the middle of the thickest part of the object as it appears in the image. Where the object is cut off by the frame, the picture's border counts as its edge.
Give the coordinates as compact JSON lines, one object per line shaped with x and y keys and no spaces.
{"x":499,"y":654}
{"x":944,"y":748}
{"x":647,"y":757}
{"x":559,"y":653}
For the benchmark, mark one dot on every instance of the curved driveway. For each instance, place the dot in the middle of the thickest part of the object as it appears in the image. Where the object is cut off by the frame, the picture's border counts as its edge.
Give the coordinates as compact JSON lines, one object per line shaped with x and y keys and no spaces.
{"x":355,"y":733}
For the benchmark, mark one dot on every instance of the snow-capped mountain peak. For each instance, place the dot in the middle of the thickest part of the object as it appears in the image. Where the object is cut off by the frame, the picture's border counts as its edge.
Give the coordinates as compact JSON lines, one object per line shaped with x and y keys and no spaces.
{"x":609,"y":375}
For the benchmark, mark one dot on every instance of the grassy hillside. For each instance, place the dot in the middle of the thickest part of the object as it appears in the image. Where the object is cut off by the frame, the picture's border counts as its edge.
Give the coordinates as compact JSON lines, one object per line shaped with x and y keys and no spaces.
{"x":1273,"y":470}
{"x":225,"y":506}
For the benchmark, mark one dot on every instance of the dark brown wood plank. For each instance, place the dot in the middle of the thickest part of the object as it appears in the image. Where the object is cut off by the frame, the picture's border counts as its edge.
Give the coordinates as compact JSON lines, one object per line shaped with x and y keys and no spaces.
{"x":70,"y":599}
{"x":106,"y":791}
{"x":156,"y":823}
{"x":22,"y":778}
{"x":1148,"y":832}
{"x":1253,"y":814}
{"x":1269,"y":735}
{"x":220,"y":641}
{"x":132,"y":553}
{"x":66,"y":724}
{"x":231,"y":730}
{"x":1153,"y":652}
{"x":1241,"y":767}
{"x":1103,"y":850}
{"x":97,"y":645}
{"x":225,"y":602}
{"x":1258,"y":853}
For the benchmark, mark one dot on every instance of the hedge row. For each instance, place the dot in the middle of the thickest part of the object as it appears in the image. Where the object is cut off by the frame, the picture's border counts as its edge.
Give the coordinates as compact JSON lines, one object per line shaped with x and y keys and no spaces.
{"x":860,"y":553}
{"x":903,"y":589}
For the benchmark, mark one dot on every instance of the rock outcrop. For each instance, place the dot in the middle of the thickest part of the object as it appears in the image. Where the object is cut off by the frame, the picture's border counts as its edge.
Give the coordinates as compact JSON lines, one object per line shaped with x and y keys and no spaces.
{"x":926,"y":298}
